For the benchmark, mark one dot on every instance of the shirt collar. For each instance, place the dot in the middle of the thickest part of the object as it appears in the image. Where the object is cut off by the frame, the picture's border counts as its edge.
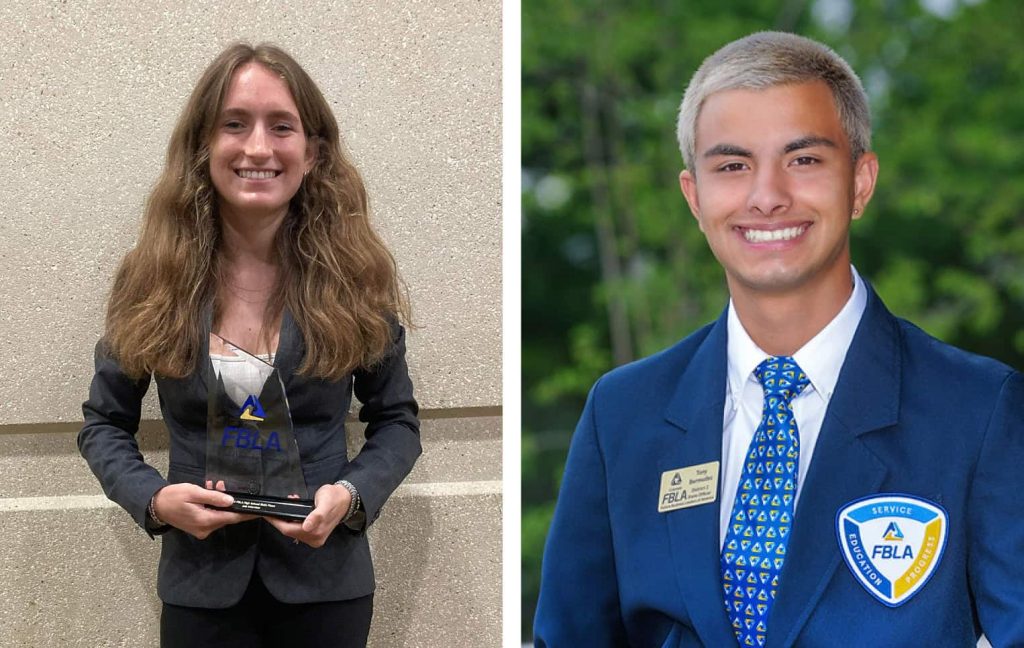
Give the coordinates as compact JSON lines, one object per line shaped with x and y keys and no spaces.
{"x":821,"y":358}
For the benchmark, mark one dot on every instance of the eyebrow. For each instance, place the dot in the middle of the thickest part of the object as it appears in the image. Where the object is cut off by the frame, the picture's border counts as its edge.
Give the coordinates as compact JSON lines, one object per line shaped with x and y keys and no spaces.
{"x":809,"y":141}
{"x":274,"y":114}
{"x":727,"y":149}
{"x":732,"y":150}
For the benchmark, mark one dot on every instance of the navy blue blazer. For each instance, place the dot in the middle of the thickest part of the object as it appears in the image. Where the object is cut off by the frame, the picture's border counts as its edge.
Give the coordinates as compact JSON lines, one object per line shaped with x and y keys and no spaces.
{"x":213,"y":573}
{"x":909,"y":415}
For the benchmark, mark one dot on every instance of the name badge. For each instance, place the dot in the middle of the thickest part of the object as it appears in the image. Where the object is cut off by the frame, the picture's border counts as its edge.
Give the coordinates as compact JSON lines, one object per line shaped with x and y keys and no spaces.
{"x":892,"y":543}
{"x":689,"y":486}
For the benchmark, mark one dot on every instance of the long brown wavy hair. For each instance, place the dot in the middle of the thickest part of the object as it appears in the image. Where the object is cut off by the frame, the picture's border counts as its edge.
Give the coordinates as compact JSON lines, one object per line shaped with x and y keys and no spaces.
{"x":336,"y":278}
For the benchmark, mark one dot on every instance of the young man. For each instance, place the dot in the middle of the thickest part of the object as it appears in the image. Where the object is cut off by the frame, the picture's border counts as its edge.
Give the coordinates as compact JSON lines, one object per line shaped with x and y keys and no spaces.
{"x":808,"y":470}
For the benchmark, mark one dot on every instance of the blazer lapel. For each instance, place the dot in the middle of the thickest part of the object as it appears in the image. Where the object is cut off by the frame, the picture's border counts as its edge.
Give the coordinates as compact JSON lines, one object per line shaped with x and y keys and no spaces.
{"x":867,"y":398}
{"x":697,"y":408}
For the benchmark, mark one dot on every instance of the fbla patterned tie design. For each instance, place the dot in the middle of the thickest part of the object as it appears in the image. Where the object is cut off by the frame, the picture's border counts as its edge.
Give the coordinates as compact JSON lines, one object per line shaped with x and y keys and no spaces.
{"x":762,"y":515}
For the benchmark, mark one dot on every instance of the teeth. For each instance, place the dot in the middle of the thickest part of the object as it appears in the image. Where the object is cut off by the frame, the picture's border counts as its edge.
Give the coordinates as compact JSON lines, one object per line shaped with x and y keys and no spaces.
{"x":767,"y":236}
{"x":256,"y":175}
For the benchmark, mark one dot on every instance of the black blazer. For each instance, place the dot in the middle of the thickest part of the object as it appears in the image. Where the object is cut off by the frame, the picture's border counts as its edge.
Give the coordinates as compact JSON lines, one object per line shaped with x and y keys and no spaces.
{"x":214,"y":572}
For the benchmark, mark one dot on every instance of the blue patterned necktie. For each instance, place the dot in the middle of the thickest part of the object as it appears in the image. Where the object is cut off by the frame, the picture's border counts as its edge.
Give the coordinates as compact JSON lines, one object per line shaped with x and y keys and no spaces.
{"x":762,"y":515}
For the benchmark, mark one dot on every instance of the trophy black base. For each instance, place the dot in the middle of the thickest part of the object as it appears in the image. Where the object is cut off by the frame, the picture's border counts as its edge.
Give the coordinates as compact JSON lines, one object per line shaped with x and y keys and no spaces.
{"x":279,"y":507}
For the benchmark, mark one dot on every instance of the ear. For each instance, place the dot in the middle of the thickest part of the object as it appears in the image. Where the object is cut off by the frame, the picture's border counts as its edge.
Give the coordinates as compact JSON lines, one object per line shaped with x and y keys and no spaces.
{"x":688,"y":185}
{"x":865,"y":173}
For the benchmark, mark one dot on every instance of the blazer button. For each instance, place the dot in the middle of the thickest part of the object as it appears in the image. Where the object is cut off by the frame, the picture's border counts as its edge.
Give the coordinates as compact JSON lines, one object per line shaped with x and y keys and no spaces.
{"x":254,"y":487}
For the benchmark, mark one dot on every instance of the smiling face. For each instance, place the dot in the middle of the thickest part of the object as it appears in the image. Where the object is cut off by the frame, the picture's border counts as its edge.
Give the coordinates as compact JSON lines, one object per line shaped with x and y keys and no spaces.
{"x":774,"y":189}
{"x":259,"y":151}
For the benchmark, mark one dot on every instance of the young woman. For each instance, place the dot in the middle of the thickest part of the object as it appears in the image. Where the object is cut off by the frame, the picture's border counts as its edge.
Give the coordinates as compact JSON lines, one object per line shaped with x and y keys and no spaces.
{"x":257,"y":232}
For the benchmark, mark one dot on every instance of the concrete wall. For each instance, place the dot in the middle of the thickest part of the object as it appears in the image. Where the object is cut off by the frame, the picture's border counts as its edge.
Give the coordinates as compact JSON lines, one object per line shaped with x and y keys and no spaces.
{"x":89,"y":92}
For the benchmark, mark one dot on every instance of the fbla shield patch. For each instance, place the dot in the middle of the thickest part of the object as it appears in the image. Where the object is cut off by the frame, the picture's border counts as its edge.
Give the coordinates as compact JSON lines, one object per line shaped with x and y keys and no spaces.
{"x":892,"y":543}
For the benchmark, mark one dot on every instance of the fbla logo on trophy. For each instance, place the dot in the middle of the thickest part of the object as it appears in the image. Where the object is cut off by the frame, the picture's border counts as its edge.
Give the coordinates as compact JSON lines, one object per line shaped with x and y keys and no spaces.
{"x":252,"y":410}
{"x":246,"y":438}
{"x":892,"y":543}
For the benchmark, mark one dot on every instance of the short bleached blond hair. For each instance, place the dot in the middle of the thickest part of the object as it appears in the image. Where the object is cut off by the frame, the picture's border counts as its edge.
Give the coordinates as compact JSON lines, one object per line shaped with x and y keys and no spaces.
{"x":766,"y":59}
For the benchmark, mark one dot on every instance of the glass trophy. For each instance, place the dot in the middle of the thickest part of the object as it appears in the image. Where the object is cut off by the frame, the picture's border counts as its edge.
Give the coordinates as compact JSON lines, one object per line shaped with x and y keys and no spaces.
{"x":250,"y":444}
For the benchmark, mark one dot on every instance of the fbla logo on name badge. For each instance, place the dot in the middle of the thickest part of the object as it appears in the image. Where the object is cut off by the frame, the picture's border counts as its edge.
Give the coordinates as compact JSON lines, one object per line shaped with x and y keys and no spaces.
{"x":892,"y":543}
{"x":252,"y":410}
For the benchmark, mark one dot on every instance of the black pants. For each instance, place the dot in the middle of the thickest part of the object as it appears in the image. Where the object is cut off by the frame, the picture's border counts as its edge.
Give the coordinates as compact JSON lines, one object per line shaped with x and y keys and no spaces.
{"x":260,"y":620}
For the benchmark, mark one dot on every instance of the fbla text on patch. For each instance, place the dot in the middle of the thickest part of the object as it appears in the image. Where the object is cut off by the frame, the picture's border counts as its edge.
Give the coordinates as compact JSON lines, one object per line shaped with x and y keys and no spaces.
{"x":891,"y":552}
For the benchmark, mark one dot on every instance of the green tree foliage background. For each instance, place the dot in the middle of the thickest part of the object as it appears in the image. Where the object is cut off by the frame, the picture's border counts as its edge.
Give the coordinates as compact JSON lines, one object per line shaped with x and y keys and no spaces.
{"x":614,"y":267}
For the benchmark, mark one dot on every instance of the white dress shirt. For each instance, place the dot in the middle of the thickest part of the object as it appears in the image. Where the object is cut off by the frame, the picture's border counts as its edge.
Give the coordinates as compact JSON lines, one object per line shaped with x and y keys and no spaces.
{"x":821,"y":359}
{"x":242,"y":377}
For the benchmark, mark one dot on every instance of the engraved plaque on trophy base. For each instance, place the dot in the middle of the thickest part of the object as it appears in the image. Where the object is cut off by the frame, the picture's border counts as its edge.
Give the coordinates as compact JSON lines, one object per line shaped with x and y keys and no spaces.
{"x":280,"y":507}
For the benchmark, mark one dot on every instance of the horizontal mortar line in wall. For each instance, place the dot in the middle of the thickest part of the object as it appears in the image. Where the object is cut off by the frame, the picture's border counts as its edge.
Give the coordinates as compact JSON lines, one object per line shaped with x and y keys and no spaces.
{"x":460,"y":412}
{"x":447,"y":489}
{"x":73,"y":502}
{"x":72,"y":427}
